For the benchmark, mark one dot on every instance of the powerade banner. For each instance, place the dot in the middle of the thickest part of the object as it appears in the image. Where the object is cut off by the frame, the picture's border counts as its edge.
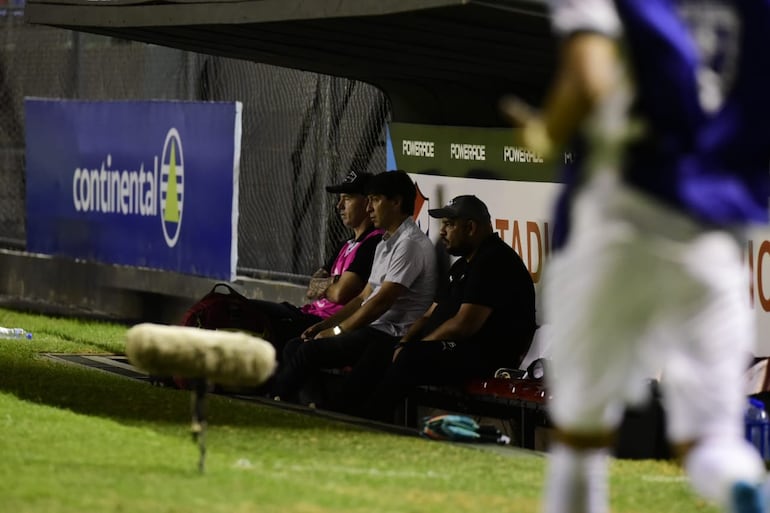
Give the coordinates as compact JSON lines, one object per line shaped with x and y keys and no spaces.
{"x":467,"y":152}
{"x":520,"y":189}
{"x":140,"y":183}
{"x":518,"y":186}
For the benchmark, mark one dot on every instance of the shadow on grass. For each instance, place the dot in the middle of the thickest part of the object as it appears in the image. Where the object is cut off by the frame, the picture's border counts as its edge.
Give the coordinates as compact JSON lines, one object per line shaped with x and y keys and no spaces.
{"x":96,"y":393}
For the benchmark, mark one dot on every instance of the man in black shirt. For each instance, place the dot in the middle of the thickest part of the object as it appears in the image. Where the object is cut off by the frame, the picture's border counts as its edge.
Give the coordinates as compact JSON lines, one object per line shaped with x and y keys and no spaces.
{"x":483,"y":318}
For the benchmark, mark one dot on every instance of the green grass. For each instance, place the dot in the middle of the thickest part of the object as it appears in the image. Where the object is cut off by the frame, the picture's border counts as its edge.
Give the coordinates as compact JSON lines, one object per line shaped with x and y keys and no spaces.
{"x":78,"y":440}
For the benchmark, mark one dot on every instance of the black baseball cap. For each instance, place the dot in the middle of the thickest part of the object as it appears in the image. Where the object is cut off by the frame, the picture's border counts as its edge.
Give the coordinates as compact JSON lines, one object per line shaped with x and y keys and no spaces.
{"x":354,"y":183}
{"x":463,"y":207}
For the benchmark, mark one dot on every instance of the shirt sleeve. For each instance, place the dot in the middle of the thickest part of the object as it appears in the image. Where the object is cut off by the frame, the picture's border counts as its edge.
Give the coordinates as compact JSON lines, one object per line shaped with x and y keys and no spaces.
{"x":362,"y":263}
{"x":570,"y":16}
{"x":406,"y":263}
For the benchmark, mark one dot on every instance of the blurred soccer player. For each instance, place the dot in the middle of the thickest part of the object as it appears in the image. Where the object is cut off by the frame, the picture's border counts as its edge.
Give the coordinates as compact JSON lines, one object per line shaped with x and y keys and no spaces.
{"x":667,"y":104}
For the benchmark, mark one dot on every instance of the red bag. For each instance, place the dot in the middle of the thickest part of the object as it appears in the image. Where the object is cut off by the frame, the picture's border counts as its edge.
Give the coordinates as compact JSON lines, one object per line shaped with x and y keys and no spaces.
{"x":229,"y":310}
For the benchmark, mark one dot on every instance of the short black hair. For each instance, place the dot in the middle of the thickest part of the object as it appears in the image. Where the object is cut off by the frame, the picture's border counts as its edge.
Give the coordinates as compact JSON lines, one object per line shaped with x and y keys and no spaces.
{"x":395,"y":183}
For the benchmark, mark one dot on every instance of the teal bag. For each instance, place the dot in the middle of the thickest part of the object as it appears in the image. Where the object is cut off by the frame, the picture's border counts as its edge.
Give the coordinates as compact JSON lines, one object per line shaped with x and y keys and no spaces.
{"x":460,"y":428}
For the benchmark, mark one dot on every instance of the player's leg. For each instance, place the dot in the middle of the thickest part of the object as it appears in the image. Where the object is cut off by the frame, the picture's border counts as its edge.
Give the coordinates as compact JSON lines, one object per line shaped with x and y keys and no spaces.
{"x":286,"y":322}
{"x":584,"y":408}
{"x":316,"y":354}
{"x":425,"y":363}
{"x":365,"y":374}
{"x":600,"y":294}
{"x":704,"y":375}
{"x":576,"y":479}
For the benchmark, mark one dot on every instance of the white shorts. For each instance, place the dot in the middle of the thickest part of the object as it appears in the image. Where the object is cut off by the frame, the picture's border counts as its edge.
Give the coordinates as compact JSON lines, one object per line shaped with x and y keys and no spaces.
{"x":639,"y":292}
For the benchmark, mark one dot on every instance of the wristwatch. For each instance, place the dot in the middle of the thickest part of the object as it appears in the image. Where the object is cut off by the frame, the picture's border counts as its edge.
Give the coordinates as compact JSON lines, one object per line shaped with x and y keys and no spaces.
{"x":337,"y":330}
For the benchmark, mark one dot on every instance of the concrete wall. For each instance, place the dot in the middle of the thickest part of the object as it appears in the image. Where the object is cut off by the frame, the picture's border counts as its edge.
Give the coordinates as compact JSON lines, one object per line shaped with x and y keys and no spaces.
{"x":61,"y":286}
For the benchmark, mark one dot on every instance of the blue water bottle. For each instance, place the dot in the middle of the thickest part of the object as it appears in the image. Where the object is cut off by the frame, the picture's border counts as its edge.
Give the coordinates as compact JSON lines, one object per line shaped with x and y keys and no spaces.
{"x":758,"y":427}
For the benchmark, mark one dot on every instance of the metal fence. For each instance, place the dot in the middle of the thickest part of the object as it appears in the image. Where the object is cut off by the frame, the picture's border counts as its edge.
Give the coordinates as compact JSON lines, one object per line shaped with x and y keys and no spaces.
{"x":301,"y":131}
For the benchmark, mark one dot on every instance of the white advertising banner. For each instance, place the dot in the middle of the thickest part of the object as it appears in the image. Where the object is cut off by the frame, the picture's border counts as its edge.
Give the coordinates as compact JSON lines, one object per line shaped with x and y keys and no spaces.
{"x":521,"y":214}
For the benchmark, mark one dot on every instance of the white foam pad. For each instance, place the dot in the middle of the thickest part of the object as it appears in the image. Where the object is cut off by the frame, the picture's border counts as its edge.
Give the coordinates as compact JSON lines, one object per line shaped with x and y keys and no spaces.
{"x":224,"y":357}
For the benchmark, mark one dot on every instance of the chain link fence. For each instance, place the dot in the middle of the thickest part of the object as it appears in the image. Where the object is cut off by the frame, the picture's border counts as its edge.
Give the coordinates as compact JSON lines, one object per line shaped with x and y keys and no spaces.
{"x":301,"y":131}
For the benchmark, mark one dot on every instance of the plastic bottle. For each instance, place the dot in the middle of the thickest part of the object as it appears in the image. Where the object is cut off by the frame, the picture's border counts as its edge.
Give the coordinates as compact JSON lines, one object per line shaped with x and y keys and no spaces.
{"x":758,"y":427}
{"x":15,"y":333}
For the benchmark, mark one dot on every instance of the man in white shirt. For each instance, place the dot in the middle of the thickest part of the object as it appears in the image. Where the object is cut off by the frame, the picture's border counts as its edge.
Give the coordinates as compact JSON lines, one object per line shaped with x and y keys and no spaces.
{"x":401,"y":286}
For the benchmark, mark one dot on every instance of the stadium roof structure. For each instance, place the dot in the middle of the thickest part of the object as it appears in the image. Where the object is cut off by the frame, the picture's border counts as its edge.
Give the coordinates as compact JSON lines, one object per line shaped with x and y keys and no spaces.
{"x":439,"y":61}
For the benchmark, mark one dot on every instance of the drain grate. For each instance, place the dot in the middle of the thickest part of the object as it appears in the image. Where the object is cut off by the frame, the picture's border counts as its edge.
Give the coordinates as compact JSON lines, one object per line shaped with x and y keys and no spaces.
{"x":112,"y":363}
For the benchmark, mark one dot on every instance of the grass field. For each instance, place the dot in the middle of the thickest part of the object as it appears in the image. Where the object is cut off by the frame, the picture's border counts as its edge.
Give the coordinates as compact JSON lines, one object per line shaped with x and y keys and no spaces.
{"x":74,"y":439}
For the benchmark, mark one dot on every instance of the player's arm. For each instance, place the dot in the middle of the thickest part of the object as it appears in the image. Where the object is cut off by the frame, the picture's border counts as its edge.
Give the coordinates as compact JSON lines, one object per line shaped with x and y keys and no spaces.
{"x":465,"y":323}
{"x":355,"y":277}
{"x":346,"y":311}
{"x":371,"y":310}
{"x":587,"y":71}
{"x":348,"y":286}
{"x":319,"y":282}
{"x":416,"y":328}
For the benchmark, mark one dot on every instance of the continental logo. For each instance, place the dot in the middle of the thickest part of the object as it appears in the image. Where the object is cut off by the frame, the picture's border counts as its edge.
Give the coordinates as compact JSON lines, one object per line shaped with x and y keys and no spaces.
{"x":147,"y":191}
{"x":172,"y":187}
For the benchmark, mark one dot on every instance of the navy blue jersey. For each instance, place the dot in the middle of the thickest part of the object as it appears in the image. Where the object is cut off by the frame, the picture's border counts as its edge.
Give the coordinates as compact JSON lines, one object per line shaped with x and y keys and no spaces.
{"x":706,"y":106}
{"x":699,"y":74}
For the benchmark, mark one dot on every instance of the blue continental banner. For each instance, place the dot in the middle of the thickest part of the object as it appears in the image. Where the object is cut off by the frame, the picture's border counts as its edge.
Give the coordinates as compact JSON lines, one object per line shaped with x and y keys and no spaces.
{"x":140,"y":183}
